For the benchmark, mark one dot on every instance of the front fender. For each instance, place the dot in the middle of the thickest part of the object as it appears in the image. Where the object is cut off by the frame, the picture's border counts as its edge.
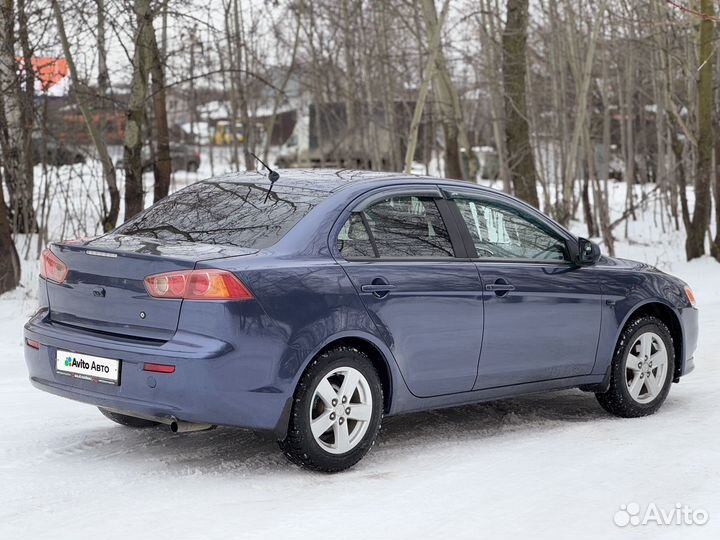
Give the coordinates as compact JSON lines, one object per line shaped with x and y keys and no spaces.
{"x":628,"y":292}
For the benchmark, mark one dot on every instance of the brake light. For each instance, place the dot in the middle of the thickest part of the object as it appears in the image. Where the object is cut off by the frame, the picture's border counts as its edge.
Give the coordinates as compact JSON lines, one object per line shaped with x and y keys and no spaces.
{"x":32,"y":343}
{"x":208,"y":284}
{"x":52,"y":268}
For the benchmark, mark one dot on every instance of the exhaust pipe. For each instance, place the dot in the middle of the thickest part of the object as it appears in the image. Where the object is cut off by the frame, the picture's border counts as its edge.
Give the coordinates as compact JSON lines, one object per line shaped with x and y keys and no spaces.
{"x":178,"y":426}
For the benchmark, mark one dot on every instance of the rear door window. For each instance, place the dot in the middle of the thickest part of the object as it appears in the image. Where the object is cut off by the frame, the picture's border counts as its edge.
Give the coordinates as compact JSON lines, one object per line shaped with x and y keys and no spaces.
{"x":228,"y":213}
{"x":404,"y":226}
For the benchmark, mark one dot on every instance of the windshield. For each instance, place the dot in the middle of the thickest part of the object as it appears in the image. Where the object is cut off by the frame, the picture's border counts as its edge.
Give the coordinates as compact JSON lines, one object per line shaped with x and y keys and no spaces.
{"x":228,"y":213}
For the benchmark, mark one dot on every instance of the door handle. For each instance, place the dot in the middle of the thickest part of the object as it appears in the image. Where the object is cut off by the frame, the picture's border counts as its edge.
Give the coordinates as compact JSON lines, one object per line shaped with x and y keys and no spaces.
{"x":499,"y":287}
{"x":377,"y":288}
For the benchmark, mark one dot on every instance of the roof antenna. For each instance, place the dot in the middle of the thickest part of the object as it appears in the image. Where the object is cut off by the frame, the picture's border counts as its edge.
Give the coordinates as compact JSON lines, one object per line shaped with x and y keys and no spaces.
{"x":274,"y":176}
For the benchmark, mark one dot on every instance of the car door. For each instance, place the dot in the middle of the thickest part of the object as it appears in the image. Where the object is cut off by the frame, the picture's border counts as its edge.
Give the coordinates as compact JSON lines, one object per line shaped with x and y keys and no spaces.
{"x":407,"y":265}
{"x":542,"y":312}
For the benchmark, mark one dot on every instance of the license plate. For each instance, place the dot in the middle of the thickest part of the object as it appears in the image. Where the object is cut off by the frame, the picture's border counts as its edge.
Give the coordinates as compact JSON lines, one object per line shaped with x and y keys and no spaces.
{"x":88,"y":367}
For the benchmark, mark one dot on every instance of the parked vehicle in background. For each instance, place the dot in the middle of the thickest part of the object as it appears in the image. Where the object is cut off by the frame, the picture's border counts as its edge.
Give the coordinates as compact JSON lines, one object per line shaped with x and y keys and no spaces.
{"x":223,"y":133}
{"x":311,"y":307}
{"x":54,"y":153}
{"x":184,"y":158}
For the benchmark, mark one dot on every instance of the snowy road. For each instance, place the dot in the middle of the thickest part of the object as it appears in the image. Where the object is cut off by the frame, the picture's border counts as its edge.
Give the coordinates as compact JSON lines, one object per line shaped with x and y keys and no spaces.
{"x":550,"y":465}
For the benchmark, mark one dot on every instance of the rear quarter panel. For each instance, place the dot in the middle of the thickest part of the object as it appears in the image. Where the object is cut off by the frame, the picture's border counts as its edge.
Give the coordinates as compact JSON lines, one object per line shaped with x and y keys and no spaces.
{"x":307,"y":303}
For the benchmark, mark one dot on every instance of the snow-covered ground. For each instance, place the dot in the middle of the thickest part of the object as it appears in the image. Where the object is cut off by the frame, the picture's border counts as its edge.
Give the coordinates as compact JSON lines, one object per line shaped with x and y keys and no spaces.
{"x":548,"y":466}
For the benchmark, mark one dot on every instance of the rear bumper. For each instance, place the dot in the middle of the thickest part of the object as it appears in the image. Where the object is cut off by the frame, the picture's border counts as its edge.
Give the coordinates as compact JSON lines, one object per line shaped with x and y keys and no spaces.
{"x":211,"y":384}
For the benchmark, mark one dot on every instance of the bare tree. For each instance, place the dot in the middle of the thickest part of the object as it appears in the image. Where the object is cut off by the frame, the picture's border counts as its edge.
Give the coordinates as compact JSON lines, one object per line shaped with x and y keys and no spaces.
{"x":133,"y":142}
{"x":162,"y":168}
{"x":14,"y":129}
{"x":110,"y":215}
{"x":447,"y":99}
{"x":428,"y":76}
{"x":10,"y":138}
{"x":695,"y":244}
{"x":517,"y":131}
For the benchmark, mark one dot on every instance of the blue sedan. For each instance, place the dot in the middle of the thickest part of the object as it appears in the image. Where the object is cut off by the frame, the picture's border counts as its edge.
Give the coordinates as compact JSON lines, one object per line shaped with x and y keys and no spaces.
{"x":311,"y":306}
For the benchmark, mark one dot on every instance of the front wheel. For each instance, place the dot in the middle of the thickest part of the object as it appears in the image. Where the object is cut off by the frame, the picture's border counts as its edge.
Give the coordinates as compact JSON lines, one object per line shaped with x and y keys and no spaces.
{"x":642,"y":369}
{"x":337,"y":412}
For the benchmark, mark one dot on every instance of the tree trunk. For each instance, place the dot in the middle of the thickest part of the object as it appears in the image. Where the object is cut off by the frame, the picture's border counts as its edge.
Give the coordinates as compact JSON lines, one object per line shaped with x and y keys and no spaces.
{"x":16,"y":162}
{"x":103,"y":79}
{"x":10,"y":139}
{"x":26,"y":219}
{"x":517,"y":130}
{"x":162,"y":168}
{"x":447,"y":99}
{"x":241,"y":87}
{"x":695,"y":243}
{"x":109,"y":220}
{"x":9,"y":260}
{"x":493,"y":58}
{"x":582,"y":72}
{"x":434,"y":48}
{"x":142,"y":60}
{"x":602,"y":178}
{"x":279,"y":94}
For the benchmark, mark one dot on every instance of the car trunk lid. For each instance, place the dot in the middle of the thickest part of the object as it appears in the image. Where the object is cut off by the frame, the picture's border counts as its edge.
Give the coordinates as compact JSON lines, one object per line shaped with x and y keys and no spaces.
{"x":105,"y":292}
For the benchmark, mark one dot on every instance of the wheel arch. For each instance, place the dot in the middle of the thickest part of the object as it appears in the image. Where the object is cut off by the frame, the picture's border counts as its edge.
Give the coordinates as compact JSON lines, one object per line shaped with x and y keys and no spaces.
{"x":379,"y":355}
{"x":667,"y":314}
{"x":375,"y":354}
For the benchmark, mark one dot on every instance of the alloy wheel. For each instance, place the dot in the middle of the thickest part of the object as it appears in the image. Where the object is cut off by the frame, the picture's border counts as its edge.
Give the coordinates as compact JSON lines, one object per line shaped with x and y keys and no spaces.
{"x":646,"y":367}
{"x":340,"y":410}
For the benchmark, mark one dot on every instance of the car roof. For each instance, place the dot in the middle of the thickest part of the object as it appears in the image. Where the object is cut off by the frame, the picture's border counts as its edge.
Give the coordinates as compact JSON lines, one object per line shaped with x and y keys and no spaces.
{"x":332,"y":180}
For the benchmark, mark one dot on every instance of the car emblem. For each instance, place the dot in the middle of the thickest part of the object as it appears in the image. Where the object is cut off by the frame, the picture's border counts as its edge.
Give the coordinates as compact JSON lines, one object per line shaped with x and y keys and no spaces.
{"x":142,"y":314}
{"x":99,"y":292}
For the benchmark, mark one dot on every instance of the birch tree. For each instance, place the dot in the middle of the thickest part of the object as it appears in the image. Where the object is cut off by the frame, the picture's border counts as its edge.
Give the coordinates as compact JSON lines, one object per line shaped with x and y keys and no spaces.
{"x":10,"y":138}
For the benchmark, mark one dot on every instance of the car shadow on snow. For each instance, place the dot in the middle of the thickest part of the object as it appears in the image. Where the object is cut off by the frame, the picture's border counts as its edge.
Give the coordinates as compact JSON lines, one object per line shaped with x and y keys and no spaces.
{"x":493,"y":418}
{"x":228,"y":450}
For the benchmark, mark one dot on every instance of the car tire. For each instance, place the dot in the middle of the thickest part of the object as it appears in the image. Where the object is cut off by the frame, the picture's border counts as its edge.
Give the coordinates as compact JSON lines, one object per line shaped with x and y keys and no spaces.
{"x":127,"y":421}
{"x":333,"y":426}
{"x":642,"y":370}
{"x":192,"y":167}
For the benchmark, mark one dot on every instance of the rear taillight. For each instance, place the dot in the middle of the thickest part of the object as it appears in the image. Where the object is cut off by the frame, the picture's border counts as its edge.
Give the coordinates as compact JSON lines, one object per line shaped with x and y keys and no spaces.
{"x":206,"y":284}
{"x":32,"y":343}
{"x":52,"y":268}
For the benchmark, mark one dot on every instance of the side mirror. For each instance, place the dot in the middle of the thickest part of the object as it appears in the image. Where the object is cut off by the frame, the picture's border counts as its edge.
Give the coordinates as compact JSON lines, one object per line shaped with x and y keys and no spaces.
{"x":588,"y":252}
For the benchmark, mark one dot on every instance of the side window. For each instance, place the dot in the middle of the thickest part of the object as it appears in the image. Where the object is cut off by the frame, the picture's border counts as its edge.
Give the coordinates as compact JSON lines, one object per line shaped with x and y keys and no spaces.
{"x":502,"y":232}
{"x":354,"y":240}
{"x":405,"y":226}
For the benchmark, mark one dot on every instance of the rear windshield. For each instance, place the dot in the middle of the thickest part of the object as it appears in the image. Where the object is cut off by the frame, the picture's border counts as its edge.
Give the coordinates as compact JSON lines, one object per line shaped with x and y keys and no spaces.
{"x":227,"y":213}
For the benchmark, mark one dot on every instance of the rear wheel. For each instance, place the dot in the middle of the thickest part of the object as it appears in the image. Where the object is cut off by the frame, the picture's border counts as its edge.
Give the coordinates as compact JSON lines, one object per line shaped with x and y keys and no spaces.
{"x":337,"y":411}
{"x":127,"y":421}
{"x":641,"y":373}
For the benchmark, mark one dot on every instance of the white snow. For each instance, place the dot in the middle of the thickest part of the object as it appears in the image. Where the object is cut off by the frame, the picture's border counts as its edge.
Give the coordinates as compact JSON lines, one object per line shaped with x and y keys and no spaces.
{"x":548,"y":465}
